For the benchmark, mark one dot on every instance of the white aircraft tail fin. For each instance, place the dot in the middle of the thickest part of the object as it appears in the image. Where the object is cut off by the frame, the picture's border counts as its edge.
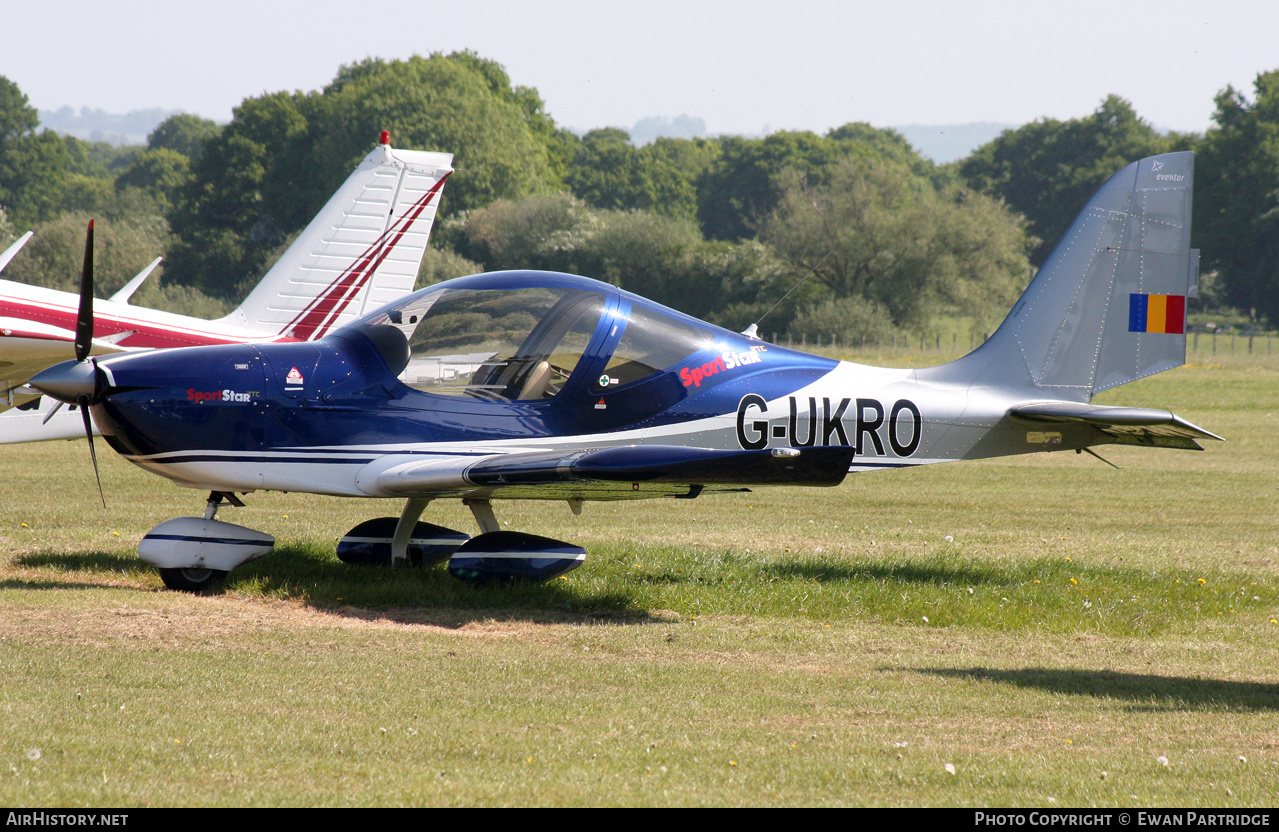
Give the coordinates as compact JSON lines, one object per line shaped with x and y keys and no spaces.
{"x":362,"y":250}
{"x":1109,"y":305}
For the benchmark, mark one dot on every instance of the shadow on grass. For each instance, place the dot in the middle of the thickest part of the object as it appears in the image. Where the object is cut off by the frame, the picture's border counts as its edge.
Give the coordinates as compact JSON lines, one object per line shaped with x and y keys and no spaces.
{"x":76,"y":563}
{"x":898,"y":572}
{"x":1145,"y":692}
{"x":423,"y":594}
{"x":84,"y":562}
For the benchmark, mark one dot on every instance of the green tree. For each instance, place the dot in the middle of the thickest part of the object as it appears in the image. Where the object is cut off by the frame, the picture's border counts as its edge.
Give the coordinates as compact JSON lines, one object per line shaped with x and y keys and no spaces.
{"x":32,"y":165}
{"x":183,"y":133}
{"x":461,"y":103}
{"x":745,"y":182}
{"x":17,"y":116}
{"x":649,"y":254}
{"x":876,"y":231}
{"x":54,"y":256}
{"x":33,"y":175}
{"x":1236,"y":220}
{"x":158,"y":174}
{"x":543,"y":231}
{"x":610,"y":172}
{"x":1048,"y":169}
{"x":663,"y":258}
{"x":849,"y":319}
{"x":265,"y":175}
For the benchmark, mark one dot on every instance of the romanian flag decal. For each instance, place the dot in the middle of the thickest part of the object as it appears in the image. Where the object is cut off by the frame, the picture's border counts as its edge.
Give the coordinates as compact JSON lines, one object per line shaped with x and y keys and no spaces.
{"x":1157,"y":313}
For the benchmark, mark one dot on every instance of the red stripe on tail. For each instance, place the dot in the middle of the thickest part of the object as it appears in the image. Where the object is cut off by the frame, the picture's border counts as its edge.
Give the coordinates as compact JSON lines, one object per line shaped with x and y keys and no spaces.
{"x":314,"y":321}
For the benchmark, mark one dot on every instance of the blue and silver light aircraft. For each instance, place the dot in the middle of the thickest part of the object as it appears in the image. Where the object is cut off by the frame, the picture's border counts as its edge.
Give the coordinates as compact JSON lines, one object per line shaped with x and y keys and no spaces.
{"x":535,"y":385}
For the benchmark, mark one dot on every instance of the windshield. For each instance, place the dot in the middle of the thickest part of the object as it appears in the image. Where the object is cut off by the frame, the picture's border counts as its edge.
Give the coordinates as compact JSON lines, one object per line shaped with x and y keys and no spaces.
{"x":501,"y":344}
{"x":651,"y":342}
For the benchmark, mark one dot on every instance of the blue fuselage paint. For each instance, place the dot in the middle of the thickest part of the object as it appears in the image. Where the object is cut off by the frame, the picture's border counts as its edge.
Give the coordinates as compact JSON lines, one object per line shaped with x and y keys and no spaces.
{"x":340,"y":393}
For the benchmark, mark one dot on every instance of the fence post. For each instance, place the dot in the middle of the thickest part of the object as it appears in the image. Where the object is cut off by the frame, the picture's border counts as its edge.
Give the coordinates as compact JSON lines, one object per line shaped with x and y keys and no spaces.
{"x":894,"y":340}
{"x":1196,"y":340}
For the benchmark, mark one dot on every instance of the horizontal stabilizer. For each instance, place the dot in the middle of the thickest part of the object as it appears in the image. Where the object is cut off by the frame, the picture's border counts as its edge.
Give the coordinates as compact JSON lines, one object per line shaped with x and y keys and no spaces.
{"x":1129,"y":425}
{"x":644,"y":470}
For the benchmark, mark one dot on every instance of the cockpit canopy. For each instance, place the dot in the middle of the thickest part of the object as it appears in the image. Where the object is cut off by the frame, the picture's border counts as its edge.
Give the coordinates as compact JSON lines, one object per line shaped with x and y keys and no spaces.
{"x":521,"y":336}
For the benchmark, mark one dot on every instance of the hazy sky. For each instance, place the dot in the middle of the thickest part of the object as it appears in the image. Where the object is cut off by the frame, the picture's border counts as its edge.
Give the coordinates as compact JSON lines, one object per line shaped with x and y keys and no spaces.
{"x":739,"y":65}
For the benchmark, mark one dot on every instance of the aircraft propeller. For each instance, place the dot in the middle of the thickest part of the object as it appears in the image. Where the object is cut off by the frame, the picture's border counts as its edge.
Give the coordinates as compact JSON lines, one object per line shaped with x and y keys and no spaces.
{"x":78,"y":382}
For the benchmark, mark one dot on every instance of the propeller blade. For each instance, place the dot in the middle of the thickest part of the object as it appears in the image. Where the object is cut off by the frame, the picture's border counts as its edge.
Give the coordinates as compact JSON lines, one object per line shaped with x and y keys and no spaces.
{"x":84,"y":321}
{"x":83,"y":401}
{"x":56,"y":408}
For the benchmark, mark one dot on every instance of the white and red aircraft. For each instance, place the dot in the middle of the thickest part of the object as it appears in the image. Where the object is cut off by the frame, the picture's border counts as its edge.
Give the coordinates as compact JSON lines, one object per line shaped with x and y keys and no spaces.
{"x":360,"y":252}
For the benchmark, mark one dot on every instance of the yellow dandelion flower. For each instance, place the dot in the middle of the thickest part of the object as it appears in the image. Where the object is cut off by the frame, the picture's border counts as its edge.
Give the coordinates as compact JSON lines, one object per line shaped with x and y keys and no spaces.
{"x":1073,"y":581}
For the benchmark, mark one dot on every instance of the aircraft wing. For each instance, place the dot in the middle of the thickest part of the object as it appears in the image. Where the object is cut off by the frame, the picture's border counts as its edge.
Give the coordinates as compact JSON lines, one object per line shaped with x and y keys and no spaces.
{"x":26,"y":348}
{"x":617,"y":473}
{"x":1129,"y":425}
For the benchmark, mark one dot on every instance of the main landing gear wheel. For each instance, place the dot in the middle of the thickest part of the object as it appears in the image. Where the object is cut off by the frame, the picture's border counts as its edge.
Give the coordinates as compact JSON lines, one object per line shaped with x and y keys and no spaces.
{"x":192,"y":579}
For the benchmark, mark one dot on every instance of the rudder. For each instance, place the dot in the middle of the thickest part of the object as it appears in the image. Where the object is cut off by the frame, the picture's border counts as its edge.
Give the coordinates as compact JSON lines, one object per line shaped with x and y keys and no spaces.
{"x":1108,"y":306}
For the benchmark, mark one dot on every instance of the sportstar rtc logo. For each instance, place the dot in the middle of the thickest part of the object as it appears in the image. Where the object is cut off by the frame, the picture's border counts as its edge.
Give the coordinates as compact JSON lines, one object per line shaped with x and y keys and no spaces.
{"x":231,"y":396}
{"x":694,"y":376}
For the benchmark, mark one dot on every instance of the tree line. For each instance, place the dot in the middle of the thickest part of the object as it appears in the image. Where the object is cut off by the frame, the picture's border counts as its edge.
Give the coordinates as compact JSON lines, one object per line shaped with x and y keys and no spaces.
{"x":718,"y":227}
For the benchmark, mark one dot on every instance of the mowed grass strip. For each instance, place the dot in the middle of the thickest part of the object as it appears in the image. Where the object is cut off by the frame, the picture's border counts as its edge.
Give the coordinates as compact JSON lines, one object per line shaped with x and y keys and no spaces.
{"x":1093,"y":637}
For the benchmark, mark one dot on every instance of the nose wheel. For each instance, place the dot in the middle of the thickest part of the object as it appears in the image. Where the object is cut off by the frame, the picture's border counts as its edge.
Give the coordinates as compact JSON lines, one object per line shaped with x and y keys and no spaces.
{"x":194,"y":554}
{"x":192,"y":579}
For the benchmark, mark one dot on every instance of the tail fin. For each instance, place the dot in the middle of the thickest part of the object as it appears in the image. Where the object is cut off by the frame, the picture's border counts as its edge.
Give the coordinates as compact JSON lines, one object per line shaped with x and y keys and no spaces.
{"x":1109,"y":305}
{"x":362,"y":250}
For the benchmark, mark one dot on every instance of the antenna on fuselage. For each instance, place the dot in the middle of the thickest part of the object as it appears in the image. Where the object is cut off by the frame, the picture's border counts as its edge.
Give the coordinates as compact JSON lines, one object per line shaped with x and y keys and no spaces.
{"x":752,"y":331}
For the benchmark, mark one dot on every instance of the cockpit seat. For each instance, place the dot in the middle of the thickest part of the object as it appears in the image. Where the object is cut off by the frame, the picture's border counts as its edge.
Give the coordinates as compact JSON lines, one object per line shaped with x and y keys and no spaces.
{"x":539,"y":378}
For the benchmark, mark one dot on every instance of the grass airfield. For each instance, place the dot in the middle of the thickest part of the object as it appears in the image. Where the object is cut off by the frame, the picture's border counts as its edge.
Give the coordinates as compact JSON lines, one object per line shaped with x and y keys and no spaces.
{"x":1033,"y":631}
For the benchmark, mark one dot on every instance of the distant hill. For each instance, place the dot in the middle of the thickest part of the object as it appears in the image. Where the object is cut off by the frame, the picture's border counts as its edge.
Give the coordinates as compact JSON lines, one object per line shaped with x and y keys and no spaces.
{"x":941,"y":143}
{"x":947,"y":142}
{"x":654,"y":127}
{"x":100,"y":126}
